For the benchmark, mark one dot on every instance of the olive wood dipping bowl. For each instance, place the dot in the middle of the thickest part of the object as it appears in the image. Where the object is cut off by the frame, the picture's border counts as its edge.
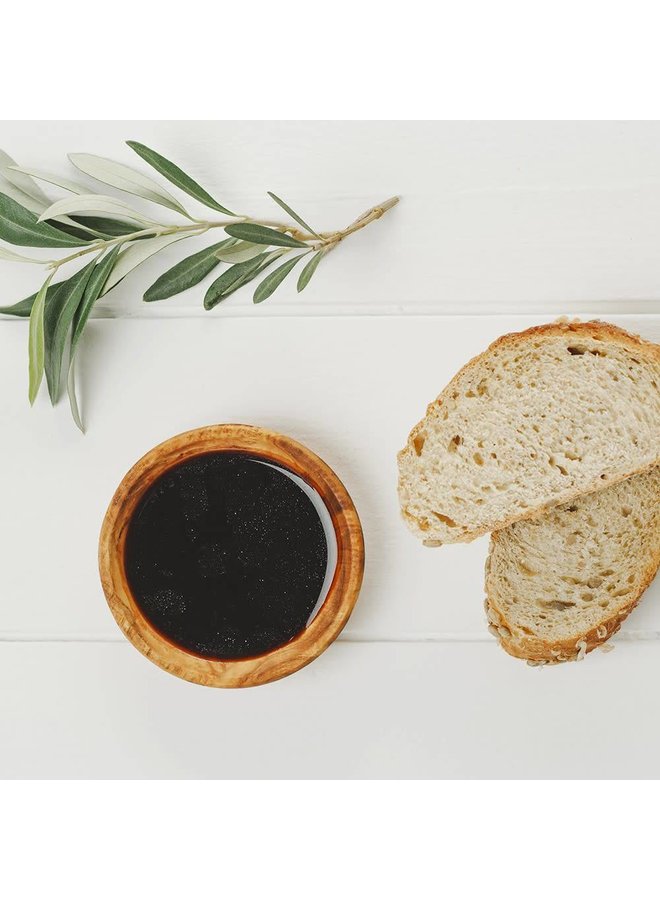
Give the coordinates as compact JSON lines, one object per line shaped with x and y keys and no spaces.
{"x":329,"y":620}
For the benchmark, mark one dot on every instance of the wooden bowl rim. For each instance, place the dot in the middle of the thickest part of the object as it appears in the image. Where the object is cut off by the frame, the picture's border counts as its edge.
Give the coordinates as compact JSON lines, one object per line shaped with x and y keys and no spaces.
{"x":333,"y":614}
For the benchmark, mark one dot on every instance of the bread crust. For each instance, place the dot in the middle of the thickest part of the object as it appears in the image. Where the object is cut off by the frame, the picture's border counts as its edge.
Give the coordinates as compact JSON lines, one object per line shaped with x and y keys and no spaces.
{"x":594,"y":329}
{"x":539,"y":652}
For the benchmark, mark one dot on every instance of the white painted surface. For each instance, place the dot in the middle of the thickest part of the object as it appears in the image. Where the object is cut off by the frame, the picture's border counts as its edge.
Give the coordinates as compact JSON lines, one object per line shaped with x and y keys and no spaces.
{"x":359,"y":711}
{"x":496,"y":217}
{"x":520,"y":221}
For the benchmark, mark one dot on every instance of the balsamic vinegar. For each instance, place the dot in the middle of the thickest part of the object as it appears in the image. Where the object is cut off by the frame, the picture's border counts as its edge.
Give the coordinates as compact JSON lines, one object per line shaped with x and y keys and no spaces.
{"x":226,"y":556}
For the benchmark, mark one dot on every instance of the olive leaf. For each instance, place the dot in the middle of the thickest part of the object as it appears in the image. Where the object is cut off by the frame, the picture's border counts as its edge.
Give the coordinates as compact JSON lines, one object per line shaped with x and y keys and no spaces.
{"x":59,"y":313}
{"x":36,"y":341}
{"x":49,"y":178}
{"x":69,"y":226}
{"x":21,"y":227}
{"x":275,"y":279}
{"x":177,"y":176}
{"x":27,"y":202}
{"x":94,"y":203}
{"x":306,"y":274}
{"x":37,"y":202}
{"x":294,"y":215}
{"x":78,"y":227}
{"x":137,"y":253}
{"x":23,"y":308}
{"x":260,"y":234}
{"x":73,"y":400}
{"x":219,"y":288}
{"x":237,"y":276}
{"x":106,"y":227}
{"x":125,"y":179}
{"x":250,"y":276}
{"x":93,"y":290}
{"x":63,"y":223}
{"x":239,"y":251}
{"x":187,"y":273}
{"x":10,"y":256}
{"x":22,"y":181}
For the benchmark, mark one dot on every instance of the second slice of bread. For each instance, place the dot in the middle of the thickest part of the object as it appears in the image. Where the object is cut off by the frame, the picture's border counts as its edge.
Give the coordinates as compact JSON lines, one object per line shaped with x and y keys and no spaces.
{"x":560,"y":585}
{"x":541,"y":417}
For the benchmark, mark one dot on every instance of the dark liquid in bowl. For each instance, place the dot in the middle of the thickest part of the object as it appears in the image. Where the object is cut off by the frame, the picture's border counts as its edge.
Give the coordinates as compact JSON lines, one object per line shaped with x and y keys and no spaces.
{"x":226,"y":556}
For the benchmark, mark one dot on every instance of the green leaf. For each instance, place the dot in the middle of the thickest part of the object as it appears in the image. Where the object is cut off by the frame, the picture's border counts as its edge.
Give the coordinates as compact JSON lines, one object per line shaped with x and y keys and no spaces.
{"x":24,"y":200}
{"x":10,"y":256}
{"x":93,"y":290}
{"x":239,"y":251}
{"x":23,"y":308}
{"x":177,"y":176}
{"x":294,"y":215}
{"x":72,"y":186}
{"x":107,"y":227}
{"x":58,"y":317}
{"x":124,"y":178}
{"x":308,"y":271}
{"x":21,"y":187}
{"x":186,"y":274}
{"x":275,"y":279}
{"x":21,"y":180}
{"x":268,"y":261}
{"x":69,"y":226}
{"x":137,"y":253}
{"x":77,"y":227}
{"x":94,"y":203}
{"x":36,"y":201}
{"x":62,"y":223}
{"x":236,"y":276}
{"x":71,"y":393}
{"x":220,"y":287}
{"x":36,"y":341}
{"x":20,"y":226}
{"x":260,"y":234}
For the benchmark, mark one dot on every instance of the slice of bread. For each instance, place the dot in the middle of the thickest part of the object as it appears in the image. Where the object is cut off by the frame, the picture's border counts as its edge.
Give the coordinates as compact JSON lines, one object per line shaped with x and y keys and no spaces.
{"x":560,"y":585}
{"x":539,"y":418}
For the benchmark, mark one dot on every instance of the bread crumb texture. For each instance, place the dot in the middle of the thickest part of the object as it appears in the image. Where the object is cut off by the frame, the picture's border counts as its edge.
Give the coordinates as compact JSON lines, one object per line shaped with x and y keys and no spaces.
{"x":560,"y":585}
{"x":541,"y":417}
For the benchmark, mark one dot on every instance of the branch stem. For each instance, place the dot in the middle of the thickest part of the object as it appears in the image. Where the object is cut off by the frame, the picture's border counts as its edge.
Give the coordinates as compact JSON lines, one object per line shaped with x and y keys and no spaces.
{"x":326,"y":240}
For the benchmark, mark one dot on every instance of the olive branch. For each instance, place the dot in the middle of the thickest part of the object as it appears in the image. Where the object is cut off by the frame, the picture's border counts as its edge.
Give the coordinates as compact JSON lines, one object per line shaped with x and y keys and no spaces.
{"x":117,"y":238}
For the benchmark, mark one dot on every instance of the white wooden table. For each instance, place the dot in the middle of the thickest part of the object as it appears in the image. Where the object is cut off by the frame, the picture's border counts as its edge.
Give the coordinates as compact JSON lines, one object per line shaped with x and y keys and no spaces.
{"x":501,"y":226}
